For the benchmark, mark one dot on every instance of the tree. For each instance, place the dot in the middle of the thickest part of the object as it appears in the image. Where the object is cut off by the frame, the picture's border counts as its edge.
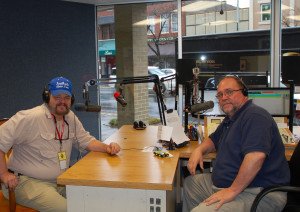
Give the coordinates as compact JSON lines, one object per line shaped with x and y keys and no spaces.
{"x":163,"y":13}
{"x":287,"y":19}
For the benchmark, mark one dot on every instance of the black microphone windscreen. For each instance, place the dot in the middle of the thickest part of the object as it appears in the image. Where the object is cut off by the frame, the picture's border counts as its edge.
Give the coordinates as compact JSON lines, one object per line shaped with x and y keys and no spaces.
{"x":87,"y":107}
{"x":93,"y":108}
{"x":80,"y":107}
{"x":202,"y":106}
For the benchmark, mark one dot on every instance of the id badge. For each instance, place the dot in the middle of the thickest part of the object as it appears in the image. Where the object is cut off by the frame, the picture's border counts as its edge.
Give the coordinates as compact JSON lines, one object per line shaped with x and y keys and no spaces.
{"x":62,"y":160}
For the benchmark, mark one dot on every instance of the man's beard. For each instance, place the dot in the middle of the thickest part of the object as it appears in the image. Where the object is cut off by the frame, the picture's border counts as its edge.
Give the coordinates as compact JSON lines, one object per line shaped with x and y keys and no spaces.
{"x":62,"y":112}
{"x":233,"y":110}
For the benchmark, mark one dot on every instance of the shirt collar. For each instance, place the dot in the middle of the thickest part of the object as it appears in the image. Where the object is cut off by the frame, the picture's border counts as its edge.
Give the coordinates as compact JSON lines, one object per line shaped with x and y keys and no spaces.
{"x":227,"y":120}
{"x":47,"y":111}
{"x":237,"y":114}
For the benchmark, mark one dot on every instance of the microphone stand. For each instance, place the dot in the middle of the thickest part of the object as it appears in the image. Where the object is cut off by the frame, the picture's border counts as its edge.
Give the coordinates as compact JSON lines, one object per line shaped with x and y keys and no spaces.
{"x":132,"y":80}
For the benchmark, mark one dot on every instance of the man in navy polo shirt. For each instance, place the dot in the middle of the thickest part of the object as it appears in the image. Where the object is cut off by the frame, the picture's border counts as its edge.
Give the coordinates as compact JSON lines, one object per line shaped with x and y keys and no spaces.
{"x":250,"y":157}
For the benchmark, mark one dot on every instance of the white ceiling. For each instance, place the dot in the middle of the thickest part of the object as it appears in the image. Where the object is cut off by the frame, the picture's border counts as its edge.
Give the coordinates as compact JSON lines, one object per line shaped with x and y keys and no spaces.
{"x":111,"y":2}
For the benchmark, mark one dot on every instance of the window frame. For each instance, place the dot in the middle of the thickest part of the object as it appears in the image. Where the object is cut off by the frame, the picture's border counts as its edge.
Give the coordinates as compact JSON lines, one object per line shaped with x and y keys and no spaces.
{"x":151,"y":23}
{"x":165,"y":19}
{"x":174,"y":23}
{"x":265,"y":12}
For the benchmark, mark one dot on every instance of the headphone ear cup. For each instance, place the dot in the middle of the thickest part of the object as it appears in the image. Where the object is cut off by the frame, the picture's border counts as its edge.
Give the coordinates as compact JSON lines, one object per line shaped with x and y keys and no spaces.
{"x":141,"y":124}
{"x":245,"y":92}
{"x":46,"y":95}
{"x":72,"y":99}
{"x":135,"y":125}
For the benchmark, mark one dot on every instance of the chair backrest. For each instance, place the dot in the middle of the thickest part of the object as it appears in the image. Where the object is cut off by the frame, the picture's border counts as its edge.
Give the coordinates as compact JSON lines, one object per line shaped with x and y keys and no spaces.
{"x":12,"y":199}
{"x":3,"y":120}
{"x":295,"y":171}
{"x":294,"y":167}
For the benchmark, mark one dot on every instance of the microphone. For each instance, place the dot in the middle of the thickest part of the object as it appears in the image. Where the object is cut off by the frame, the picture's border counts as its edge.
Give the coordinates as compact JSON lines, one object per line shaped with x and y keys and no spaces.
{"x":120,"y":99}
{"x":200,"y":107}
{"x":87,"y":107}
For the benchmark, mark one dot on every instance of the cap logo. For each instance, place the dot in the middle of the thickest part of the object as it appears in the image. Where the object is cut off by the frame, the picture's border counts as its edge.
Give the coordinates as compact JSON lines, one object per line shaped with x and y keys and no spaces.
{"x":63,"y":85}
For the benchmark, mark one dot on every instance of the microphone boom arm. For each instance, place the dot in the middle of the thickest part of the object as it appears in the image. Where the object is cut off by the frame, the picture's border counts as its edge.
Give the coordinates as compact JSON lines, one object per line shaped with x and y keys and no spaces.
{"x":132,"y":80}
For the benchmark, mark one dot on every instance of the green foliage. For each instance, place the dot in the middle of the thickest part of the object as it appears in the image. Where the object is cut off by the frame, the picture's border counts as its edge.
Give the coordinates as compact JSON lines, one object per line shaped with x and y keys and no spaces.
{"x":113,"y":123}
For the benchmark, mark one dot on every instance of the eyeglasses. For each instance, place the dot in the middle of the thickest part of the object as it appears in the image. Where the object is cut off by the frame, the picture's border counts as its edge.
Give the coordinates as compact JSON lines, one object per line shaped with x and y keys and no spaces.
{"x":227,"y":92}
{"x":59,"y":98}
{"x":66,"y":137}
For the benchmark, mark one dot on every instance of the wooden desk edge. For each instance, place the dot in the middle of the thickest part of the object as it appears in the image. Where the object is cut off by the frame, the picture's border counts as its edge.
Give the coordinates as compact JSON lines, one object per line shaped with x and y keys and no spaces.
{"x":128,"y":185}
{"x":186,"y":152}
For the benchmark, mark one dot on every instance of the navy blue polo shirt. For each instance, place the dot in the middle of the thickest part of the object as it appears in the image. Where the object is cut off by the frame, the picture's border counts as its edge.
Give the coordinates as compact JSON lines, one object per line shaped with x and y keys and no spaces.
{"x":251,"y":129}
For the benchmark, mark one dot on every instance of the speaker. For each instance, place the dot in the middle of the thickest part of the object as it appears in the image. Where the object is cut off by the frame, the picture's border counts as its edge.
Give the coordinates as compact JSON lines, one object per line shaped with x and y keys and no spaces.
{"x":139,"y":125}
{"x":290,"y":69}
{"x":46,"y":96}
{"x":184,"y":70}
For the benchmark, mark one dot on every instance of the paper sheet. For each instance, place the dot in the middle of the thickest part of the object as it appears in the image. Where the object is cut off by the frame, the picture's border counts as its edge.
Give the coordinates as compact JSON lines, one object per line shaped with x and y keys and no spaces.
{"x":282,"y":125}
{"x":211,"y":127}
{"x":164,"y":133}
{"x":172,"y":120}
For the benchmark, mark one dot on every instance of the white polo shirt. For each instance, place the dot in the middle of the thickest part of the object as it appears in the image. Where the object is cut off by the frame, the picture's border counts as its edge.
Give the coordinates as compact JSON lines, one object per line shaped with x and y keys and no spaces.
{"x":35,"y":144}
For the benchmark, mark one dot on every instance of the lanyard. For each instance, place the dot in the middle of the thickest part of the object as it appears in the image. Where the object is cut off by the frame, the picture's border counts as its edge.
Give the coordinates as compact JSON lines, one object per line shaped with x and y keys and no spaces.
{"x":59,"y":134}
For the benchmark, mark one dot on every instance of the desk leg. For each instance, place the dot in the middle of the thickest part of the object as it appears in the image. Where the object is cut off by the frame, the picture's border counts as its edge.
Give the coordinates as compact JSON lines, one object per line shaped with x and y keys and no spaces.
{"x":178,"y":182}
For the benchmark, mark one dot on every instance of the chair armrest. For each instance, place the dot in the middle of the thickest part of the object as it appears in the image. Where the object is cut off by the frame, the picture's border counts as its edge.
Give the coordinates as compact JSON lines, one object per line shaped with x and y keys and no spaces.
{"x":12,"y":200}
{"x":267,"y":190}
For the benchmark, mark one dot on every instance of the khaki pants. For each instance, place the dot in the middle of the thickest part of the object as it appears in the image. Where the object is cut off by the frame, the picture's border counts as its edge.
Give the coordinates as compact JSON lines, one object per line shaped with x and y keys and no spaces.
{"x":41,"y":195}
{"x":199,"y":187}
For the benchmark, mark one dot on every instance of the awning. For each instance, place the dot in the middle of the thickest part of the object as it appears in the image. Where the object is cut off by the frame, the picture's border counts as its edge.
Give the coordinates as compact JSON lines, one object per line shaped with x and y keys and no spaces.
{"x":106,"y":20}
{"x":107,"y":47}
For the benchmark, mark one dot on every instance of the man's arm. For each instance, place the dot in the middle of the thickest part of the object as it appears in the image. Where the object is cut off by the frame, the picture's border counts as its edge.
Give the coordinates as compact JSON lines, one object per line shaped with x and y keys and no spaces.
{"x":196,"y":158}
{"x":8,"y":179}
{"x":251,"y":165}
{"x":98,"y":146}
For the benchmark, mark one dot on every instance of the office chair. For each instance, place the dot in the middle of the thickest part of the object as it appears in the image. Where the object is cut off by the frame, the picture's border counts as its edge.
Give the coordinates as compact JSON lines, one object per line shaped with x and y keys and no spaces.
{"x":10,"y":205}
{"x":293,"y":191}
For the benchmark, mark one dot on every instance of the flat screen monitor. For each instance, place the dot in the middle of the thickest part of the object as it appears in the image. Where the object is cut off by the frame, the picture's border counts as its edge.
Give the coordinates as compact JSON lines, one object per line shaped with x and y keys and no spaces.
{"x":275,"y":100}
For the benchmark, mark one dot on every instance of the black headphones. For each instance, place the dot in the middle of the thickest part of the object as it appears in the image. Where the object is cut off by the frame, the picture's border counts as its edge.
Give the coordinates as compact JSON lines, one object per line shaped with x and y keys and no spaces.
{"x":139,"y":126}
{"x":46,"y":95}
{"x":240,"y":82}
{"x":244,"y":87}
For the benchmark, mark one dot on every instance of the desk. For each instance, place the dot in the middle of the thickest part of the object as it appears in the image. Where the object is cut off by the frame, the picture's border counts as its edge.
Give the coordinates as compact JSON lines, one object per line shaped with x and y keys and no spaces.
{"x":129,"y":180}
{"x":124,"y":182}
{"x":186,"y":152}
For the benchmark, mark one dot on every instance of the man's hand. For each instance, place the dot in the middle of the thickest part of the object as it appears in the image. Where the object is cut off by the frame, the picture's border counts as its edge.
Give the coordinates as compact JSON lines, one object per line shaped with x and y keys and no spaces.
{"x":195,"y":159}
{"x":223,"y":196}
{"x":9,"y":180}
{"x":113,"y":148}
{"x":197,"y":156}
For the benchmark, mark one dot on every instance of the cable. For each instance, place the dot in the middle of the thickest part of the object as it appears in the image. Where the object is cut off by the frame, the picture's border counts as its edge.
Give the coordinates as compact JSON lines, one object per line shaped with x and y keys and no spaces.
{"x":79,"y":152}
{"x":147,"y":147}
{"x":87,"y":75}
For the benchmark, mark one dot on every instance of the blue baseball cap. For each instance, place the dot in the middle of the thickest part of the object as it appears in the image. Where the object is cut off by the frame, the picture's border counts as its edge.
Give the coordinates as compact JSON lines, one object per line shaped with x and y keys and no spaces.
{"x":60,"y":85}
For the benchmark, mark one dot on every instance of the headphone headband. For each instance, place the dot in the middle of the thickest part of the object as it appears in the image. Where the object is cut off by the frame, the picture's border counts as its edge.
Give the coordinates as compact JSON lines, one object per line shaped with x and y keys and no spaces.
{"x":240,"y":82}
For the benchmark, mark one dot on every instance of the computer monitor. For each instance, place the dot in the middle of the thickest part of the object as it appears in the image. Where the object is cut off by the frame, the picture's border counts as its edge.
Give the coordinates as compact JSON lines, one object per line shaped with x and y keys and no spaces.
{"x":275,"y":100}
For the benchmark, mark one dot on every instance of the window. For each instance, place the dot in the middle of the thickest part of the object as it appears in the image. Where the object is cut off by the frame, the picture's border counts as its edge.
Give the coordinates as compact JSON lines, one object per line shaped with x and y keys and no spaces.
{"x":105,"y":32}
{"x":265,"y":12}
{"x":174,"y":22}
{"x":112,"y":31}
{"x":164,"y":23}
{"x":151,"y":24}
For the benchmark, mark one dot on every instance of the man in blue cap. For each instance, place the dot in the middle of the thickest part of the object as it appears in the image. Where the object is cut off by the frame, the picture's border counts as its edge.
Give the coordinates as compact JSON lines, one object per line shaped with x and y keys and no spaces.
{"x":42,"y":139}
